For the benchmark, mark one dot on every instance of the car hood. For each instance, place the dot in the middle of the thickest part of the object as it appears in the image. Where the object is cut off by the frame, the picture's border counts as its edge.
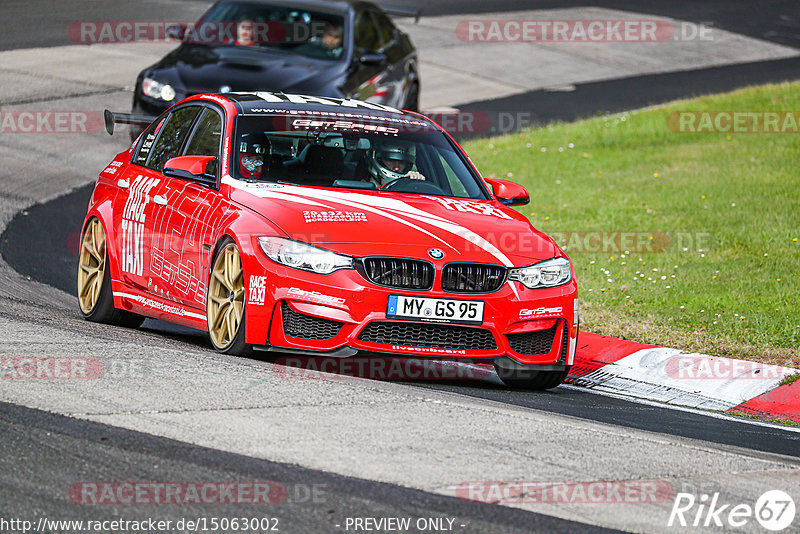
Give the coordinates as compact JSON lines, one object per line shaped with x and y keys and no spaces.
{"x":376,"y":223}
{"x":205,"y":68}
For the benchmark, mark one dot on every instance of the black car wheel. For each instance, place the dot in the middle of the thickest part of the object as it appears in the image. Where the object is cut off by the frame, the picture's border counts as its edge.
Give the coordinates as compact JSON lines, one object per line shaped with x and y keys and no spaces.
{"x":94,"y":281}
{"x":412,"y":98}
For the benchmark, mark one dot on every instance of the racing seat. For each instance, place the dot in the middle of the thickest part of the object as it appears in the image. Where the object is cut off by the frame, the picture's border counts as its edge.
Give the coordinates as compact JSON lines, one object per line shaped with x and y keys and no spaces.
{"x":254,"y":156}
{"x":322,"y":165}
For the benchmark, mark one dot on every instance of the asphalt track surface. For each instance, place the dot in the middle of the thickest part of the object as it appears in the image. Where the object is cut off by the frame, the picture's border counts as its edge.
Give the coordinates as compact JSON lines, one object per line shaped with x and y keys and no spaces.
{"x":612,"y":96}
{"x":309,"y":502}
{"x":42,"y":454}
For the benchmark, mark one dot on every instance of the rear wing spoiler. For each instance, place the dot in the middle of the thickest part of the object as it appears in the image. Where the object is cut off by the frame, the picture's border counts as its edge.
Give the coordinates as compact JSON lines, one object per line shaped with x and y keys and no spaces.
{"x":402,"y":12}
{"x":112,"y":118}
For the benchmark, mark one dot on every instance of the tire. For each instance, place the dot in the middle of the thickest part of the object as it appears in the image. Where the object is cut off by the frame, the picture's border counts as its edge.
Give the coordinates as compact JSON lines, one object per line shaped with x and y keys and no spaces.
{"x":531,"y":380}
{"x":412,"y":98}
{"x":225,"y":310}
{"x":95,"y":299}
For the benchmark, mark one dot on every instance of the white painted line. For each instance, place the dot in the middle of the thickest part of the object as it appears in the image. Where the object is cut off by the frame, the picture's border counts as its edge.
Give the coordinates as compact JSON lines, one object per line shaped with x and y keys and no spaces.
{"x":715,"y":415}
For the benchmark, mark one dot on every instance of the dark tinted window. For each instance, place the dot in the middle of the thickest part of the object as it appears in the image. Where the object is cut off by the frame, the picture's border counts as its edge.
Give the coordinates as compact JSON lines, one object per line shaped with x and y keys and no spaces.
{"x":148,"y":138}
{"x":205,"y":140}
{"x":290,"y":28}
{"x":173,"y":133}
{"x":366,"y":34}
{"x":385,"y":29}
{"x":350,"y":152}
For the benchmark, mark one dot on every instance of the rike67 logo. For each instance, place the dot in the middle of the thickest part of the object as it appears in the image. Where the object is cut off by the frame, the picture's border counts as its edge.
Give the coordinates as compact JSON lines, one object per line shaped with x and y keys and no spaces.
{"x":774,"y":511}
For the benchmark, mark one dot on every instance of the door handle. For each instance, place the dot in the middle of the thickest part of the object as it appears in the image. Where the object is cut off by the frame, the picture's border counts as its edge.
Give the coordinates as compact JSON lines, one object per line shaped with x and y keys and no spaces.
{"x":124,"y":184}
{"x":160,"y":200}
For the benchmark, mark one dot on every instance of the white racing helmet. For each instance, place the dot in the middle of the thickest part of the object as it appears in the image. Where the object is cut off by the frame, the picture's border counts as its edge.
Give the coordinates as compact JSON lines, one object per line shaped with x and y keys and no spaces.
{"x":391,"y":160}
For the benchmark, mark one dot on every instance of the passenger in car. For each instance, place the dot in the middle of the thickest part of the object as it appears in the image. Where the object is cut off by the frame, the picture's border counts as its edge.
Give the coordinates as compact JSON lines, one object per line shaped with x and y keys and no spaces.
{"x":245,"y":34}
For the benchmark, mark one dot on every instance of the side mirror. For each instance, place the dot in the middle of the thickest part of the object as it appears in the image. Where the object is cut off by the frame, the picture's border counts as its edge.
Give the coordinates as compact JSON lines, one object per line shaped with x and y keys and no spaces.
{"x":509,"y":193}
{"x":176,"y":31}
{"x":373,"y":58}
{"x":191,"y":168}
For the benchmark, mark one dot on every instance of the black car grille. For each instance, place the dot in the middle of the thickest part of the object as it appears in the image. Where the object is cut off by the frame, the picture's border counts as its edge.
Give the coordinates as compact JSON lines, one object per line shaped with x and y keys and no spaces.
{"x":564,"y":344}
{"x":306,"y":326}
{"x":540,"y":342}
{"x":435,"y":336}
{"x":398,"y":273}
{"x":472,"y":278}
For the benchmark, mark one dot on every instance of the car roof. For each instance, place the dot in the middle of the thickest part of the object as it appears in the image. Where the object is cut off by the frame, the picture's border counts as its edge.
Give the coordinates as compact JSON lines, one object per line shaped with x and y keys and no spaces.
{"x":276,"y":102}
{"x":332,"y":6}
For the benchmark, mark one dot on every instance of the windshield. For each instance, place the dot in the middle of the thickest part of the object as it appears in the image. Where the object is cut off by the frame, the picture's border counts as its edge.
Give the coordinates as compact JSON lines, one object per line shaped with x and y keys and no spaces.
{"x":352,"y":151}
{"x":249,"y":24}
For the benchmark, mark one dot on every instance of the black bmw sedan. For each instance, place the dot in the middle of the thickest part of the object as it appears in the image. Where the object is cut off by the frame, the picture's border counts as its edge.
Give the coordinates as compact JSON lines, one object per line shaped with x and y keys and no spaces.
{"x":341,"y":48}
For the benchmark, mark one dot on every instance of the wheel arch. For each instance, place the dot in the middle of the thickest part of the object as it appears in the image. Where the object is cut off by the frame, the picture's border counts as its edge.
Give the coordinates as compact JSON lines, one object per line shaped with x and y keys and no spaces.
{"x":244,"y":229}
{"x":104,"y":212}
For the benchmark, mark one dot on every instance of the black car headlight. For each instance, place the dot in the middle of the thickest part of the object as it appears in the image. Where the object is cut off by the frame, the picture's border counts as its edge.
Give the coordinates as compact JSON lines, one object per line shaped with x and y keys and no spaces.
{"x":549,"y":273}
{"x":303,"y":256}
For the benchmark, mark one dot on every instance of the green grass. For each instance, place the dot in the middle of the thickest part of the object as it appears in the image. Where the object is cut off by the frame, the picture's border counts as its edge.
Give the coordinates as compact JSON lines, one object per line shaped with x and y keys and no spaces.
{"x":791,"y":379}
{"x":736,"y":197}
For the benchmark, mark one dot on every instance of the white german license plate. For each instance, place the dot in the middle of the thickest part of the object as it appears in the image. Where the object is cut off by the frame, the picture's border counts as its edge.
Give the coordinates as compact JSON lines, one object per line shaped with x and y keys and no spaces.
{"x":436,"y":310}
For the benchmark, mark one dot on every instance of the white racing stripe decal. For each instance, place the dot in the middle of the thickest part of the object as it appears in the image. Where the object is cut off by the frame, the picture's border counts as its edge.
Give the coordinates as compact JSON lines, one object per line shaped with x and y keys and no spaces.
{"x":393,"y":217}
{"x":353,"y":199}
{"x":166,"y":307}
{"x":367,"y":203}
{"x":429,"y":218}
{"x":295,"y":196}
{"x":271,"y":193}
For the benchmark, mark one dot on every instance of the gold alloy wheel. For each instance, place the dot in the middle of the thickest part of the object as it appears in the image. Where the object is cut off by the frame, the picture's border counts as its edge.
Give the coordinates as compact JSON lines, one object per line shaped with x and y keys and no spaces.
{"x":91,"y":265}
{"x":225,"y":306}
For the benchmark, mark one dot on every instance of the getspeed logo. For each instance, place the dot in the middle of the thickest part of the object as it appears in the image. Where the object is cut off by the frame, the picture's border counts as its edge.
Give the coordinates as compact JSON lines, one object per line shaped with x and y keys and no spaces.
{"x":535,"y":312}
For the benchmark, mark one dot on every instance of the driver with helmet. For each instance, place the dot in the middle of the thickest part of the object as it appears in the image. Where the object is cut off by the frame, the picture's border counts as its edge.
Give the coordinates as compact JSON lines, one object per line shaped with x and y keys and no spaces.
{"x":392,"y":160}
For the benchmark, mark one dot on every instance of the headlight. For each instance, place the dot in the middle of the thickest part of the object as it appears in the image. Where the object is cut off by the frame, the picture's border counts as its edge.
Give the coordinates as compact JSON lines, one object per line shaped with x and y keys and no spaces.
{"x":549,"y":273}
{"x":302,"y":256}
{"x":158,"y":90}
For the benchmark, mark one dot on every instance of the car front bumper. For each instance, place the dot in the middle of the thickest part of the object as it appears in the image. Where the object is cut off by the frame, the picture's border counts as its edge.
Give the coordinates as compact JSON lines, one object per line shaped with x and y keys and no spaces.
{"x":341,"y":314}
